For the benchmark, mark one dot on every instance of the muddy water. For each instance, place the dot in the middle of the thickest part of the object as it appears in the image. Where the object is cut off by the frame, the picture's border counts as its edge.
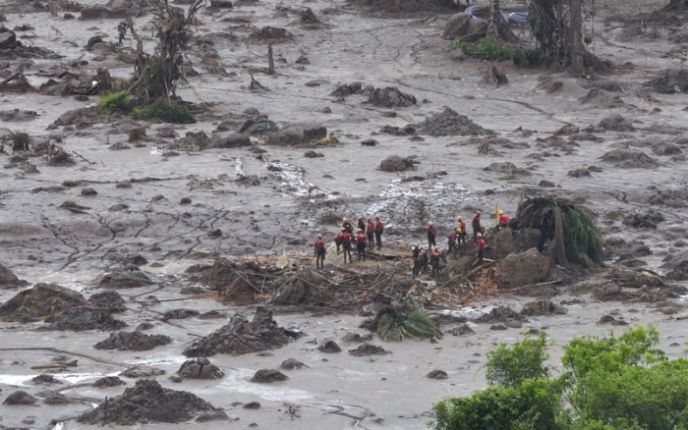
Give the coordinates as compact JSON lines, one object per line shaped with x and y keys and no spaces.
{"x":43,"y":243}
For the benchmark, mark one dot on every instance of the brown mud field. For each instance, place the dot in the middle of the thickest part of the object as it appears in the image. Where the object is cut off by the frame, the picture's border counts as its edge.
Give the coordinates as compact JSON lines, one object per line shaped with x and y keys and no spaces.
{"x":160,"y":275}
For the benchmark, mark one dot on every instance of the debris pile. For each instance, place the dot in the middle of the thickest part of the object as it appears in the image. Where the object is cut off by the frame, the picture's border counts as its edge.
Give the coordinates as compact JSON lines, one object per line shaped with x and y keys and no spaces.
{"x":199,"y":368}
{"x":390,"y":97}
{"x":133,"y":341}
{"x":84,"y":318}
{"x":450,"y":123}
{"x":39,"y":302}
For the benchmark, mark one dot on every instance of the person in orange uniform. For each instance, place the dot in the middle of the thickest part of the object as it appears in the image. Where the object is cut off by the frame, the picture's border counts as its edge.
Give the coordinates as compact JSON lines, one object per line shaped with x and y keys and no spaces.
{"x":379,"y":229}
{"x":461,"y":231}
{"x":361,"y":245}
{"x":432,"y":234}
{"x":370,"y":233}
{"x":435,"y":261}
{"x":475,"y":223}
{"x":503,"y":219}
{"x":319,"y":248}
{"x":346,"y":243}
{"x":481,"y":244}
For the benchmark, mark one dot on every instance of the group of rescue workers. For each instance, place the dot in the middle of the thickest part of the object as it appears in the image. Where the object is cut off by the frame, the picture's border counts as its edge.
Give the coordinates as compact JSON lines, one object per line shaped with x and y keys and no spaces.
{"x":368,"y":235}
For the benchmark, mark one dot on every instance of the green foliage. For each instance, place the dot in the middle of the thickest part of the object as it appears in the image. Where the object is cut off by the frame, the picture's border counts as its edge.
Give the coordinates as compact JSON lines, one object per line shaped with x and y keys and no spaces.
{"x":395,"y":325}
{"x":533,"y":405}
{"x":115,"y":102}
{"x":487,"y":48}
{"x":571,"y":226}
{"x":528,"y":58}
{"x":20,"y":140}
{"x":511,"y":365}
{"x":173,"y":112}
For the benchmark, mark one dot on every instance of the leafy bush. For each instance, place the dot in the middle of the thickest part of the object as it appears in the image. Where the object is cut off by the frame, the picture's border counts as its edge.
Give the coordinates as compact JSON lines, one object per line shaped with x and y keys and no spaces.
{"x":115,"y":102}
{"x":173,"y":112}
{"x":534,"y":405}
{"x":511,"y":365}
{"x":395,"y":325}
{"x":487,"y":48}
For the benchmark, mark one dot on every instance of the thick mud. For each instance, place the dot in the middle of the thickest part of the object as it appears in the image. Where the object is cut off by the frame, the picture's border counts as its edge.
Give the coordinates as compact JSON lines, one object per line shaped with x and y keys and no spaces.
{"x":119,"y":225}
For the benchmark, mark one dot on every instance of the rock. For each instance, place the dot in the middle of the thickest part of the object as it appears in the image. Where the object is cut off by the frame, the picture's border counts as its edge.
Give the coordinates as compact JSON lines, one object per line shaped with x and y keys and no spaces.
{"x":136,"y":134}
{"x":648,"y":220}
{"x":226,"y":141}
{"x":395,"y":163}
{"x":108,"y":382}
{"x":39,"y":302}
{"x":500,"y":314}
{"x":73,"y":207}
{"x":84,"y":318}
{"x":329,"y":346}
{"x":123,"y":279}
{"x":9,"y":280}
{"x":180,"y":314}
{"x":200,"y":368}
{"x":498,"y":327}
{"x":450,"y":123}
{"x":369,"y":142}
{"x":192,"y":141}
{"x":313,"y":154}
{"x":141,"y":371}
{"x":185,"y":201}
{"x":297,"y":134}
{"x":252,"y":405}
{"x":8,"y":40}
{"x":526,"y":268}
{"x":133,"y":341}
{"x":270,"y":34}
{"x":291,"y":364}
{"x":221,"y":4}
{"x":542,"y":307}
{"x":45,"y":380}
{"x":670,"y":81}
{"x":547,"y":184}
{"x":461,"y":330}
{"x":460,"y":25}
{"x":437,"y":374}
{"x":19,"y":398}
{"x":357,"y":337}
{"x":242,"y":337}
{"x":346,"y":90}
{"x":390,"y":97}
{"x":55,"y":399}
{"x":629,"y":159}
{"x":267,"y":376}
{"x":367,"y":349}
{"x":89,"y":192}
{"x":101,"y":12}
{"x":17,"y":115}
{"x":147,"y":402}
{"x":616,"y":123}
{"x":218,"y":415}
{"x":611,"y":320}
{"x":109,"y":300}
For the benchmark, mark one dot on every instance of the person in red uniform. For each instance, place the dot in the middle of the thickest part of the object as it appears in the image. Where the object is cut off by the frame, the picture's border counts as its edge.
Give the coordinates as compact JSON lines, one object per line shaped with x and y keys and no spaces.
{"x":451,"y":242}
{"x":432,"y":234}
{"x":481,"y":244}
{"x":361,"y":245}
{"x":435,"y":261}
{"x":319,"y":248}
{"x":346,"y":225}
{"x":346,"y":243}
{"x":379,"y":229}
{"x":370,"y":233}
{"x":361,"y":224}
{"x":475,"y":223}
{"x":503,"y":220}
{"x":461,"y":231}
{"x":338,"y":241}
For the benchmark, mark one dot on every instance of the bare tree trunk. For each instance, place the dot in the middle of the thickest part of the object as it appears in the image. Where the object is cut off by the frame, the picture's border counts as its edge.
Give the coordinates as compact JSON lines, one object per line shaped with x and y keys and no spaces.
{"x":271,"y":61}
{"x":494,"y":17}
{"x":576,"y":48}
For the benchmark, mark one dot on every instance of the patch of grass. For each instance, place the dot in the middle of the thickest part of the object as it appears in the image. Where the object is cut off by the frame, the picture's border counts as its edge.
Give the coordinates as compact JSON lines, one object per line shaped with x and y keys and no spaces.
{"x":173,"y":112}
{"x":487,"y":48}
{"x":115,"y":102}
{"x":395,"y":325}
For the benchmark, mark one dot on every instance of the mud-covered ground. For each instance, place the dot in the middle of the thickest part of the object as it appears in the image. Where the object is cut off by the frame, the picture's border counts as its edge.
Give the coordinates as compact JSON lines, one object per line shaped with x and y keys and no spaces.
{"x":166,"y":203}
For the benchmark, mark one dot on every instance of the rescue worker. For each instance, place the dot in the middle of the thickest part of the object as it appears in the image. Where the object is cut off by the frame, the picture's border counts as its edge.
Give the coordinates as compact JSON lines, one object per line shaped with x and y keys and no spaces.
{"x":461,"y":231}
{"x":346,"y":244}
{"x":346,"y":225}
{"x":361,"y":224}
{"x":338,"y":241}
{"x":475,"y":223}
{"x":435,"y":261}
{"x":415,"y":254}
{"x":379,"y":229}
{"x":319,"y":248}
{"x":451,"y":242}
{"x":481,"y":244}
{"x":503,"y":220}
{"x":422,"y":260}
{"x":432,"y":233}
{"x":370,"y":232}
{"x":361,"y":245}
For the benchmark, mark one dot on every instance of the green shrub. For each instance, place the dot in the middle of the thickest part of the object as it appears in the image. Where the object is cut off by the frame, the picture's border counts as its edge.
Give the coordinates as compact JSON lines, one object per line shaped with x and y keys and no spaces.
{"x":511,"y":365}
{"x":173,"y":112}
{"x":533,"y":405}
{"x":115,"y":102}
{"x":487,"y":48}
{"x":395,"y":325}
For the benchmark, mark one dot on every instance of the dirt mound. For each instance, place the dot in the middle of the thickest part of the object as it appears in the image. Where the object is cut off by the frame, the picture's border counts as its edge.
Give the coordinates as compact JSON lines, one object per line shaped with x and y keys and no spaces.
{"x":395,"y":163}
{"x":526,"y":268}
{"x":133,"y":341}
{"x":199,"y":368}
{"x":648,"y":220}
{"x":242,"y":337}
{"x":461,"y":330}
{"x":629,"y":159}
{"x":391,"y":97}
{"x":147,"y":402}
{"x":292,"y":364}
{"x":108,"y":381}
{"x":141,"y":371}
{"x":357,"y":337}
{"x":500,"y":314}
{"x":109,"y":300}
{"x":123,"y":279}
{"x":84,"y":318}
{"x":677,"y":266}
{"x":616,"y":123}
{"x":20,"y":398}
{"x":39,"y":302}
{"x":270,"y":34}
{"x":329,"y":346}
{"x":368,"y":349}
{"x":298,"y":135}
{"x":345,"y":90}
{"x":670,"y":82}
{"x":542,"y":307}
{"x":673,"y":198}
{"x":8,"y":279}
{"x":450,"y":123}
{"x":303,"y":288}
{"x":268,"y":376}
{"x":180,"y":314}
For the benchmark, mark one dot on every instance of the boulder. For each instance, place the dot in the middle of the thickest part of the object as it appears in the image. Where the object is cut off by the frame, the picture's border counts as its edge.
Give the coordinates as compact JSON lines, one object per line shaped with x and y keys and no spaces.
{"x":291,"y":364}
{"x":19,"y":398}
{"x":199,"y":368}
{"x":437,"y":374}
{"x":542,"y":307}
{"x":267,"y":376}
{"x":82,"y":318}
{"x":8,"y":279}
{"x":234,"y":140}
{"x":395,"y":163}
{"x":329,"y":346}
{"x":8,"y":40}
{"x":108,"y":382}
{"x":390,"y":97}
{"x":368,"y":349}
{"x":109,"y":300}
{"x":39,"y":302}
{"x":525,"y":268}
{"x":133,"y":341}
